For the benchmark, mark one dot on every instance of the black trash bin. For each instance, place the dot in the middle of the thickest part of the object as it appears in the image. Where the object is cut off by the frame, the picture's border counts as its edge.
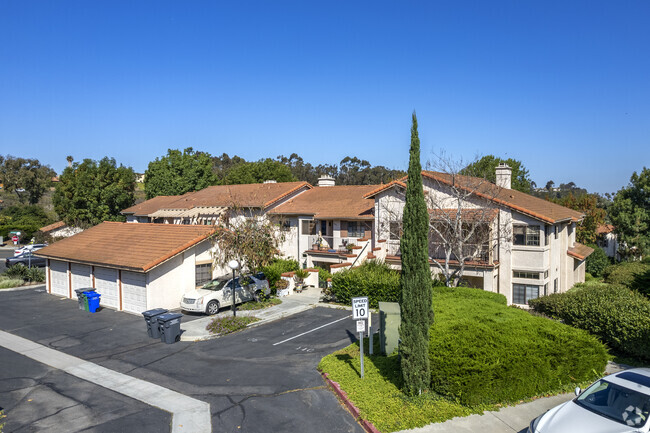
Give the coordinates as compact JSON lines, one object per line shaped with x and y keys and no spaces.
{"x":151,"y":318}
{"x":81,"y":298}
{"x":170,"y":327}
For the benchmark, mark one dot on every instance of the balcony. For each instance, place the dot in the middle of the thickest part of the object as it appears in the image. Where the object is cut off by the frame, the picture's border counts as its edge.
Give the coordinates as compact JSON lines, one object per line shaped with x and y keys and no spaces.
{"x":329,"y":244}
{"x":437,"y":252}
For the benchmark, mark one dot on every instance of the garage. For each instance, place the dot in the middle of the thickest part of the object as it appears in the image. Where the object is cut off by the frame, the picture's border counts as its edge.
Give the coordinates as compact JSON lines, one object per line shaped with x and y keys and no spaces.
{"x":81,"y":276}
{"x":134,"y":267}
{"x":59,"y":277}
{"x":134,"y":291}
{"x":106,"y":285}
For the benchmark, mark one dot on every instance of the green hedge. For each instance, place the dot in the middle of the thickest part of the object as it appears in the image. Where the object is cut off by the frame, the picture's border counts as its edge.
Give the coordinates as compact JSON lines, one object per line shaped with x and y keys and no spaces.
{"x":597,"y":261}
{"x":275,"y":270}
{"x":372,"y":279}
{"x":633,"y":275}
{"x":618,"y":315}
{"x":483,"y":352}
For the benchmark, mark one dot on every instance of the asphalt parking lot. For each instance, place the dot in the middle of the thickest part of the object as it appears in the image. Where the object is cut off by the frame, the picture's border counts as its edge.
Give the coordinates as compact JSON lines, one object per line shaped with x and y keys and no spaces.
{"x":258,"y":380}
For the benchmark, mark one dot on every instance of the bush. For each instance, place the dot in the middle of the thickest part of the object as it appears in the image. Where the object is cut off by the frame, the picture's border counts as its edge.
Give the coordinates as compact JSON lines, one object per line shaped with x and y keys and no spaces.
{"x":619,"y":316}
{"x":483,"y":352}
{"x":372,"y":279}
{"x":228,"y":324}
{"x":24,"y":273}
{"x":275,"y":270}
{"x":633,"y":275}
{"x":323,"y":274}
{"x":8,"y":283}
{"x":17,"y":271}
{"x":597,"y":261}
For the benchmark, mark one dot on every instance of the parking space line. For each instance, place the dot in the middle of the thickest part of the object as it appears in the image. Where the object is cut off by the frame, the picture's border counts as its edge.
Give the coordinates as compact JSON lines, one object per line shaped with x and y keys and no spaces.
{"x":188,"y":414}
{"x":312,"y":330}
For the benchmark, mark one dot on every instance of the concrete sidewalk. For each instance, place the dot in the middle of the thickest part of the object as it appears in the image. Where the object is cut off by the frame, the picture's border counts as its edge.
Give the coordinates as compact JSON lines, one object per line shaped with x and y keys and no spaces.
{"x":507,"y":420}
{"x":293,"y":304}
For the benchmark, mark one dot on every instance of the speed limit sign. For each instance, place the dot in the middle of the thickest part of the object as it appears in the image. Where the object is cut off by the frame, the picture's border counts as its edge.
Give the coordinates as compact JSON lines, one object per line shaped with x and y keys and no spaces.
{"x":360,"y":308}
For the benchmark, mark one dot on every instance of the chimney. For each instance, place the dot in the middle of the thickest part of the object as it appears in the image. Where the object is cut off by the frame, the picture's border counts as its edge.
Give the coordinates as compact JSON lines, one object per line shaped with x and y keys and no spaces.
{"x":326,"y":181}
{"x":504,"y":176}
{"x":270,"y":181}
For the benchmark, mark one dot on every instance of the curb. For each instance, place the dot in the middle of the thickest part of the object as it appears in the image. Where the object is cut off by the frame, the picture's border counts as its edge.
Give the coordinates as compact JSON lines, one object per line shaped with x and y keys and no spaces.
{"x":367,"y":425}
{"x":28,"y":287}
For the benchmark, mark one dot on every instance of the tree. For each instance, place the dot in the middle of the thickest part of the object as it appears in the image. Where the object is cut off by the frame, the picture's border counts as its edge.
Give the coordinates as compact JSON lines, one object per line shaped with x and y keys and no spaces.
{"x":630,"y":214}
{"x":597,"y":261}
{"x":486,"y":168}
{"x":253,"y":240}
{"x":415,"y":281}
{"x":94,"y":191}
{"x":258,"y":172}
{"x":27,"y":178}
{"x":178,"y":172}
{"x":594,"y":215}
{"x":300,"y":170}
{"x":221,"y":166}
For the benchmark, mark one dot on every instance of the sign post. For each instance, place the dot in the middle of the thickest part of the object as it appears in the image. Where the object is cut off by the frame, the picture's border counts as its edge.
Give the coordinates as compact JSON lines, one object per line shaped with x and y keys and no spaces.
{"x":360,"y":313}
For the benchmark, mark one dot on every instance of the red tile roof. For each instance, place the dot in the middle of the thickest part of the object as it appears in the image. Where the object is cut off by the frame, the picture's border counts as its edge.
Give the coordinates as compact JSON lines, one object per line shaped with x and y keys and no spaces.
{"x":136,"y":247}
{"x":604,"y":229}
{"x":580,"y":251}
{"x":521,"y":202}
{"x":53,"y":226}
{"x":345,"y":202}
{"x":255,"y":195}
{"x":150,"y":206}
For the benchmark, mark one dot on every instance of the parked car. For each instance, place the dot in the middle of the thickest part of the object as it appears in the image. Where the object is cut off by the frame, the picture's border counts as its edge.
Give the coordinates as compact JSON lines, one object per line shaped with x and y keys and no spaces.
{"x":31,"y":247}
{"x":619,"y":403}
{"x":27,"y":258}
{"x":217,"y":293}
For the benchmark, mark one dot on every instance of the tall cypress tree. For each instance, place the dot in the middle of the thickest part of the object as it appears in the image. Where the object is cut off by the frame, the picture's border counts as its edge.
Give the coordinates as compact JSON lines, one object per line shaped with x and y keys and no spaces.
{"x":415,"y":281}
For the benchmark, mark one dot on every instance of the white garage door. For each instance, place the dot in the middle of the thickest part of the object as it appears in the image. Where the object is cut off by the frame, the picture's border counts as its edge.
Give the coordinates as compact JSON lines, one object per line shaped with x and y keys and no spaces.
{"x":134,"y":292}
{"x":106,"y":285}
{"x":59,"y":277}
{"x":81,"y":276}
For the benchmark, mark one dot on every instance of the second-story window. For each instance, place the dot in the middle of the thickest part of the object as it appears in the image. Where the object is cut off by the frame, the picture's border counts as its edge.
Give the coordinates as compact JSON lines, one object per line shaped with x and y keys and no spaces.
{"x":356,"y":229}
{"x":526,"y":235}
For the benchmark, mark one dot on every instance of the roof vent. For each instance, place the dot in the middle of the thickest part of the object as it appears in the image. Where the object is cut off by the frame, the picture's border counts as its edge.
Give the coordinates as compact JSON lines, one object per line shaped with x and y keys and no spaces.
{"x":326,"y":181}
{"x":270,"y":181}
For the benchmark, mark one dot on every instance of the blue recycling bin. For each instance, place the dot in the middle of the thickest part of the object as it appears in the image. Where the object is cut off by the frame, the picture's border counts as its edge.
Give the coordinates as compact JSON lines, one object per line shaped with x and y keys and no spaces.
{"x":93,"y":301}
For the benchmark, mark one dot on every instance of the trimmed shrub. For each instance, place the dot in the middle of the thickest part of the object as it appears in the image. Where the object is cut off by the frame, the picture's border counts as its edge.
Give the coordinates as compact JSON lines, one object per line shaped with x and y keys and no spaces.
{"x":275,"y":270}
{"x":323,"y":274}
{"x":483,"y":352}
{"x":372,"y":279}
{"x":633,"y":275}
{"x":597,"y":261}
{"x":619,"y":316}
{"x":36,"y":275}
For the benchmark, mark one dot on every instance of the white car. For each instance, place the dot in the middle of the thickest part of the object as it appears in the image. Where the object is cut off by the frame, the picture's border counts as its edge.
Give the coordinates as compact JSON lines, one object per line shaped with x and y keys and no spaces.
{"x":30,"y":247}
{"x":619,"y":403}
{"x":218,"y":293}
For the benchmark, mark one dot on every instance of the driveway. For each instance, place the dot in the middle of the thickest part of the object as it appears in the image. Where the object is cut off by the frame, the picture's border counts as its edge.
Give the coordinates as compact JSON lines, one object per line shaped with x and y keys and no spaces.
{"x":258,"y":380}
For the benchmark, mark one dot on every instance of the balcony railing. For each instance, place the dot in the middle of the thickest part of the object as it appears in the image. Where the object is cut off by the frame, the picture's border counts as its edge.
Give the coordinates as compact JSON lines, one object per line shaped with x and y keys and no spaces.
{"x":330,"y":244}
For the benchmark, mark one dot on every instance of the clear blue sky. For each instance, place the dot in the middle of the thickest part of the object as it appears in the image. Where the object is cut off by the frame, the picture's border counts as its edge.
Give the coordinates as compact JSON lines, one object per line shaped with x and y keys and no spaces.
{"x":562,"y":86}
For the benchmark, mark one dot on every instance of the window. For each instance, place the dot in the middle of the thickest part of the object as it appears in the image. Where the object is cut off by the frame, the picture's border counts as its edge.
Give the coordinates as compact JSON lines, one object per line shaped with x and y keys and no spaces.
{"x":526,"y":235}
{"x":547,"y":232}
{"x":545,"y":289}
{"x":203,"y":273}
{"x":555,"y":286}
{"x":308,"y":227}
{"x":395,"y":229}
{"x":522,"y":293}
{"x":285,"y":225}
{"x":557,"y":230}
{"x":546,"y":274}
{"x":528,"y":275}
{"x":356,"y":229}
